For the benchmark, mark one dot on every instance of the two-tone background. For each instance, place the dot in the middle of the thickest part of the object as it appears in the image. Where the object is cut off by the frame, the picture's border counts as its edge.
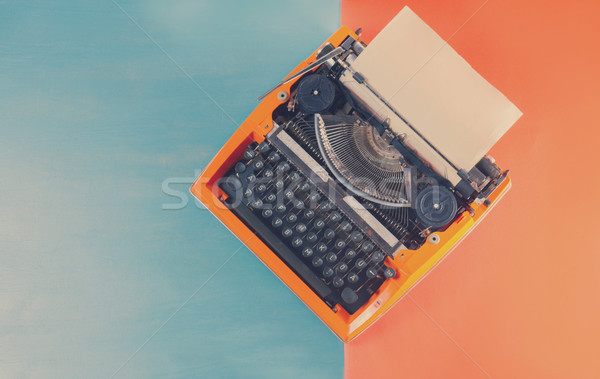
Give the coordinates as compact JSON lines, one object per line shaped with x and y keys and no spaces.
{"x":109,"y":109}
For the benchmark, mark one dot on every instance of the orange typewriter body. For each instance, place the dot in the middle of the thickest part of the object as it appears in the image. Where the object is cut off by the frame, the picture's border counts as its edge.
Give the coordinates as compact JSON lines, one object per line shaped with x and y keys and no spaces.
{"x":410,"y":265}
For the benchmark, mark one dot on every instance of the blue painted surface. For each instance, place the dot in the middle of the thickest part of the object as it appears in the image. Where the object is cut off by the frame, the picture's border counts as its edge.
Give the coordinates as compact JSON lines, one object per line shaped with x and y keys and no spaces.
{"x":94,"y":119}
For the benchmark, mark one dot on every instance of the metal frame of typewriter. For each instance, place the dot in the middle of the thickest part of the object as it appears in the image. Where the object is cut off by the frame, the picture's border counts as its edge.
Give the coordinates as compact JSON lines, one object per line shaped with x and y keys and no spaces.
{"x":411,"y":265}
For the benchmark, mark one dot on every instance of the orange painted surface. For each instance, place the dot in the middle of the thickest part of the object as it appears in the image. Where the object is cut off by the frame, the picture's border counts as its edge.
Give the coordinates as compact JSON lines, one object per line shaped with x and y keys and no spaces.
{"x":520,"y":297}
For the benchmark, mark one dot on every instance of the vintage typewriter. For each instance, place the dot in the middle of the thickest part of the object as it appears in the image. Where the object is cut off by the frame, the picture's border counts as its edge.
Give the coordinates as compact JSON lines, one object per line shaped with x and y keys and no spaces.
{"x":361,"y":170}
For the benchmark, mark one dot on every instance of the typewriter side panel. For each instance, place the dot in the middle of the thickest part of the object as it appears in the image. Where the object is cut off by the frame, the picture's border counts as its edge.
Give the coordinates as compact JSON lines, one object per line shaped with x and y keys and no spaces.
{"x":205,"y":188}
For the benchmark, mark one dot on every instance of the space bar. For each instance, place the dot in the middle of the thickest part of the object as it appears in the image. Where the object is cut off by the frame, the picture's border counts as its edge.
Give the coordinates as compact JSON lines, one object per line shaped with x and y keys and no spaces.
{"x":281,"y":249}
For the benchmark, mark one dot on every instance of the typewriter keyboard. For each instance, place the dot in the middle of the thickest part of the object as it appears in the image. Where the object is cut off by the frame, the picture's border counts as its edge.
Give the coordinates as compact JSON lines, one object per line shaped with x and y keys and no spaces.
{"x":314,"y":237}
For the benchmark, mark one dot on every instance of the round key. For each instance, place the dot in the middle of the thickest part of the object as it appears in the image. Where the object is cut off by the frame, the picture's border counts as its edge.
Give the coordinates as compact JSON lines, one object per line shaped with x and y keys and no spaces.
{"x":289,"y":194}
{"x":297,"y":242}
{"x":378,"y":257}
{"x":305,"y":186}
{"x":328,"y":272}
{"x":249,"y":154}
{"x":280,"y":208}
{"x":346,"y":226}
{"x":279,"y":184}
{"x":321,"y":247}
{"x":353,"y":277}
{"x":287,"y":232}
{"x":317,"y":261}
{"x":314,"y":197}
{"x":251,"y":178}
{"x":335,"y":216}
{"x":331,"y":257}
{"x":367,"y":247}
{"x":268,"y":173}
{"x":258,"y":164}
{"x":274,"y":157}
{"x":309,"y":213}
{"x":240,"y":167}
{"x":319,"y":224}
{"x":248,"y":192}
{"x":307,"y":252}
{"x":360,"y":264}
{"x":301,"y":228}
{"x":266,"y":213}
{"x":389,"y":272}
{"x":298,"y":204}
{"x":258,"y":203}
{"x":326,"y":206}
{"x":329,"y":234}
{"x":271,"y":198}
{"x":339,"y":244}
{"x":371,"y":272}
{"x":291,"y":218}
{"x":356,"y":236}
{"x":277,"y":222}
{"x":261,"y":188}
{"x":350,"y":254}
{"x":294,"y":176}
{"x":282,"y":167}
{"x":337,"y":282}
{"x":342,"y":268}
{"x":311,"y":237}
{"x":263,"y":148}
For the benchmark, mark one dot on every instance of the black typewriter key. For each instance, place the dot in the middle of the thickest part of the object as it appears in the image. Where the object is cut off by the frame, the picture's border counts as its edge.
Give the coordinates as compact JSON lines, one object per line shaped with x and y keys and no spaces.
{"x":298,"y":204}
{"x":309,"y":213}
{"x":263,"y":148}
{"x":251,"y":178}
{"x":271,"y":198}
{"x":287,"y":232}
{"x":389,"y":272}
{"x":261,"y":188}
{"x":360,"y":264}
{"x":367,"y":247}
{"x":321,"y":247}
{"x":297,"y":242}
{"x":337,"y":282}
{"x":378,"y":257}
{"x":353,"y":277}
{"x":289,"y":194}
{"x":280,"y":208}
{"x":314,"y":197}
{"x":346,"y":226}
{"x":335,"y":216}
{"x":294,"y":176}
{"x":356,"y":236}
{"x":339,"y":244}
{"x":317,"y":261}
{"x":307,"y":252}
{"x":328,"y":272}
{"x":279,"y":184}
{"x":319,"y":224}
{"x":349,"y":296}
{"x":326,"y":206}
{"x":329,"y":234}
{"x":350,"y":254}
{"x":266,"y":213}
{"x":371,"y":272}
{"x":311,"y":237}
{"x":258,"y":164}
{"x":240,"y":167}
{"x":301,"y":228}
{"x":291,"y":218}
{"x":258,"y":203}
{"x":248,"y":192}
{"x":268,"y":173}
{"x":305,"y":186}
{"x":282,"y":167}
{"x":342,"y":268}
{"x":249,"y":154}
{"x":331,"y":257}
{"x":274,"y":157}
{"x":277,"y":222}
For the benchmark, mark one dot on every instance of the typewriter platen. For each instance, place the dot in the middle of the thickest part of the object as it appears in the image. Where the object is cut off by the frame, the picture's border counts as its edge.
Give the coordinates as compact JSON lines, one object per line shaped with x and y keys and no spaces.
{"x":362,"y":169}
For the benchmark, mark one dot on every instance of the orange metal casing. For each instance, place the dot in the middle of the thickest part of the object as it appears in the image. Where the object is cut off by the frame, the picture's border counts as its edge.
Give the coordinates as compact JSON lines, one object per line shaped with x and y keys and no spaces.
{"x":411,"y":265}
